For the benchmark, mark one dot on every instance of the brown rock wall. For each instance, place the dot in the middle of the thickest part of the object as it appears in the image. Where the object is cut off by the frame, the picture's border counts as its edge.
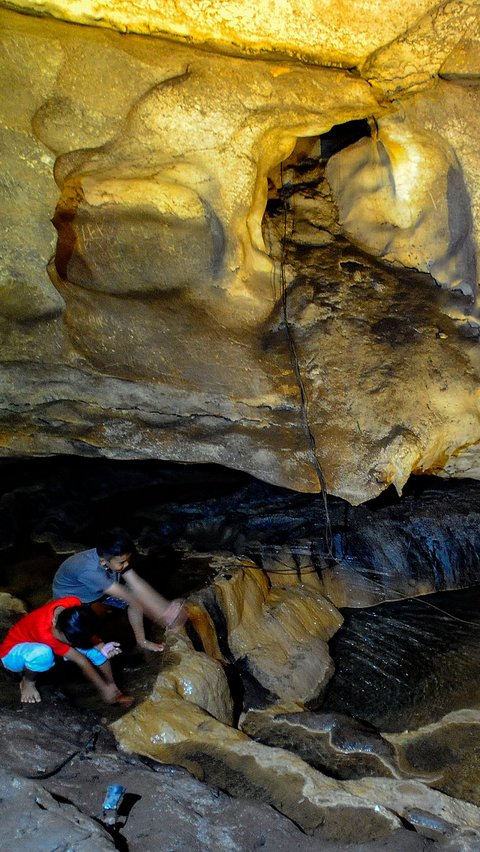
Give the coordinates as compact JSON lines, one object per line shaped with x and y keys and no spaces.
{"x":158,"y":318}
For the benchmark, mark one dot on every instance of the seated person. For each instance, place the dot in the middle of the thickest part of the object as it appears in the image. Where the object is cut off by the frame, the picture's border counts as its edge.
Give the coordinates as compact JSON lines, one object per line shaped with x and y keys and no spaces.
{"x":104,"y":574}
{"x":64,"y":628}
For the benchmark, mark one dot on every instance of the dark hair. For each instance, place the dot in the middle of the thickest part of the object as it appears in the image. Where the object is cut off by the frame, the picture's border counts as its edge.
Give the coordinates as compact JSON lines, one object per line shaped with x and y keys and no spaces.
{"x":78,"y":624}
{"x":114,"y":542}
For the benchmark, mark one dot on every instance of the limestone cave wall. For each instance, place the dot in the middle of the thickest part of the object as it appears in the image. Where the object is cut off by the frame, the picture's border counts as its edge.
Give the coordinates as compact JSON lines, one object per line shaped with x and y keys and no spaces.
{"x":250,"y":240}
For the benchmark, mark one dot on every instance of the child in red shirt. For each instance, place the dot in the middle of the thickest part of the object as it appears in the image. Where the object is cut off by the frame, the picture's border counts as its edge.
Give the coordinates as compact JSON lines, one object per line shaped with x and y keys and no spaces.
{"x":64,"y":628}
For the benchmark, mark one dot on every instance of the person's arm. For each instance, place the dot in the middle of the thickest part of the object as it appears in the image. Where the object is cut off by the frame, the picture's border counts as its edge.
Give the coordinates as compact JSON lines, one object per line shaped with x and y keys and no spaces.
{"x":117,"y":590}
{"x":152,"y":602}
{"x":108,"y":690}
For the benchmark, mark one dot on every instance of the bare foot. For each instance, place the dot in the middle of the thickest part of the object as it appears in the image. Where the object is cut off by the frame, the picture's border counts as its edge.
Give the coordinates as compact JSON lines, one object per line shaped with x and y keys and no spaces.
{"x":151,"y":646}
{"x":29,"y":693}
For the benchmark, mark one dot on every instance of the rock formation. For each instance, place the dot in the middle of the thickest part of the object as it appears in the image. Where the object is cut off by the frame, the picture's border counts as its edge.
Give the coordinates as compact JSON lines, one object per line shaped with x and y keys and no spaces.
{"x":296,"y":761}
{"x":253,"y":695}
{"x":167,"y":313}
{"x":253,"y":239}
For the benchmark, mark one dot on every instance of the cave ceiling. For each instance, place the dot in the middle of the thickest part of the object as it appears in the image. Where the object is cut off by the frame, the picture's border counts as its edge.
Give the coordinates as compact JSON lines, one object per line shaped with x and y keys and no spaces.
{"x":246,"y":235}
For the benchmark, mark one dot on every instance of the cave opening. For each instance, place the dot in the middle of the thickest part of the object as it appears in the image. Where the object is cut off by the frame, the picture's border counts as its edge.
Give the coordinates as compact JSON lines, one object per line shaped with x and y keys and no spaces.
{"x":342,"y":135}
{"x":304,"y":168}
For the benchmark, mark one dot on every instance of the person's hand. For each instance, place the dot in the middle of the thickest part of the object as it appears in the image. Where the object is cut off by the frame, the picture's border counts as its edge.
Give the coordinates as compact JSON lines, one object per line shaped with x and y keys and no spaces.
{"x":111,"y":649}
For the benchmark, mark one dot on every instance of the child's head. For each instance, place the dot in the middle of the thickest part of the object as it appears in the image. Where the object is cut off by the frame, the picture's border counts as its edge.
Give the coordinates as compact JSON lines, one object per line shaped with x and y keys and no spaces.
{"x":114,"y":543}
{"x":78,"y":624}
{"x":114,"y":548}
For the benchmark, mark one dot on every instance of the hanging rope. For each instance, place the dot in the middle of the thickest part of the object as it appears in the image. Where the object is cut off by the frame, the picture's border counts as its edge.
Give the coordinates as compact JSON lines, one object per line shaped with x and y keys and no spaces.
{"x":296,"y":368}
{"x":288,"y":213}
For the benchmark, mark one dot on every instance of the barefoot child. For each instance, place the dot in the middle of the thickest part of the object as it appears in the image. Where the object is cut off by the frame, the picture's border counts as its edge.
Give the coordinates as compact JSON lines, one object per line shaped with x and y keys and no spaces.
{"x":64,"y":628}
{"x":104,"y":574}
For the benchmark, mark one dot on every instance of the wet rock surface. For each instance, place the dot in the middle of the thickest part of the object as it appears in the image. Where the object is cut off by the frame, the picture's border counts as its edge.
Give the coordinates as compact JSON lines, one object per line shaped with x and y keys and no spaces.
{"x":426,"y":541}
{"x":275,"y":637}
{"x":58,"y":759}
{"x":404,"y":664}
{"x":315,"y":768}
{"x":336,"y":744}
{"x":446,"y":752}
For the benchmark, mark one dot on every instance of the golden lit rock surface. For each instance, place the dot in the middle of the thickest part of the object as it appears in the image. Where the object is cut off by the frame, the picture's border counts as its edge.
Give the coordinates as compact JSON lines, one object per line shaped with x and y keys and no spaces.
{"x":170,"y":726}
{"x":185,"y":721}
{"x":443,"y":37}
{"x":348,"y":811}
{"x":382,"y":427}
{"x":278,"y":634}
{"x":463,"y":62}
{"x":197,"y":678}
{"x":333,"y":32}
{"x":161,"y":317}
{"x":224,"y":254}
{"x":134,"y":382}
{"x":448,"y":110}
{"x":396,"y":193}
{"x":225,"y":757}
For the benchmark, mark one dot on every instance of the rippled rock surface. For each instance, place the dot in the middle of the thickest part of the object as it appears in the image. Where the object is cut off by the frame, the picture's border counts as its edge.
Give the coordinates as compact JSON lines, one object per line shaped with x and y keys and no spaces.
{"x":404,"y":664}
{"x":389,"y":548}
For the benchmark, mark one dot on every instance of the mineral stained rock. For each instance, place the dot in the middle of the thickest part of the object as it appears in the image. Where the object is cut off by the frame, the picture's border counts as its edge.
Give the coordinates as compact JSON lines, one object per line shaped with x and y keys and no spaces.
{"x":336,"y":744}
{"x":144,"y":309}
{"x":171,"y":729}
{"x":275,"y":636}
{"x":444,"y":752}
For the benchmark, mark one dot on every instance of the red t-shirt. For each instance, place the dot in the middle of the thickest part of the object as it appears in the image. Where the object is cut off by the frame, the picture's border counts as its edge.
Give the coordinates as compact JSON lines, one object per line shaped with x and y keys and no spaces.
{"x":37,"y":626}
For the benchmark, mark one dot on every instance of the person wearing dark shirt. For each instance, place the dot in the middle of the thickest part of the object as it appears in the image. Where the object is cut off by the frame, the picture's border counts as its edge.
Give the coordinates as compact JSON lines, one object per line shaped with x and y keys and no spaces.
{"x":104,"y":574}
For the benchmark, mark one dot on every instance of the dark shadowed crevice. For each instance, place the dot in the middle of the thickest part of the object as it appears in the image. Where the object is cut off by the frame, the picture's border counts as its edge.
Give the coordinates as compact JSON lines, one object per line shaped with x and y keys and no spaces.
{"x":340,"y":136}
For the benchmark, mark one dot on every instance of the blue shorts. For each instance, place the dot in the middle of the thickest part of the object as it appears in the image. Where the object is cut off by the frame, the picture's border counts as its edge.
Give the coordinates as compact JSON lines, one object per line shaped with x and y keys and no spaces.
{"x":37,"y":657}
{"x":111,"y":601}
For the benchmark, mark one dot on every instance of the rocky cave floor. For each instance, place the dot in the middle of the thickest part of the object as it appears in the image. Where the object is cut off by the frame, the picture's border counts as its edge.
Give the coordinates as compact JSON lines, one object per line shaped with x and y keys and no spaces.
{"x":58,"y":758}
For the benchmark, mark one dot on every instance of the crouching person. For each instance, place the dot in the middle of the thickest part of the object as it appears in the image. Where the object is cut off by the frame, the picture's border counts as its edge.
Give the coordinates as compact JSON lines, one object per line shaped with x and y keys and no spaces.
{"x":63,"y":628}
